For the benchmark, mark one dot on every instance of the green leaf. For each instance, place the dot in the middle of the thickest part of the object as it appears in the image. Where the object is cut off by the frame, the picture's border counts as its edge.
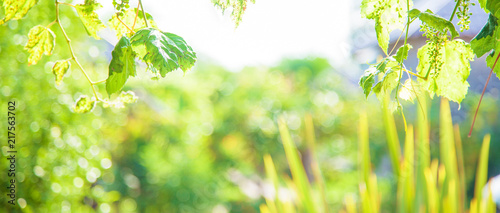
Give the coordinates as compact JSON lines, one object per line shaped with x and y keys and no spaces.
{"x":84,"y":104}
{"x":490,"y":60}
{"x":388,"y":83}
{"x":124,"y":98}
{"x":122,"y":66}
{"x":59,"y":69}
{"x":89,"y":17}
{"x":493,"y":6}
{"x":16,"y":9}
{"x":163,"y":52}
{"x":127,"y":97}
{"x":485,"y":39}
{"x":390,"y":69}
{"x":41,"y":40}
{"x":238,"y":8}
{"x":367,"y":80}
{"x":451,"y":80}
{"x":434,"y":21}
{"x":482,"y":3}
{"x":388,"y":16}
{"x":402,"y":53}
{"x":409,"y":91}
{"x":128,"y":18}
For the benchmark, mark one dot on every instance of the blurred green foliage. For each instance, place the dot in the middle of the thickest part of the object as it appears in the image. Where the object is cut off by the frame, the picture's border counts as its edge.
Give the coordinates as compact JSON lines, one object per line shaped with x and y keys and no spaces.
{"x":192,"y":143}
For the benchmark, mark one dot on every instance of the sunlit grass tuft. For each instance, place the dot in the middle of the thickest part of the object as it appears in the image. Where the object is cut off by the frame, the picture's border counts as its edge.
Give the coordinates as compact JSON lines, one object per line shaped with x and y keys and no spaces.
{"x":423,"y":187}
{"x":423,"y":184}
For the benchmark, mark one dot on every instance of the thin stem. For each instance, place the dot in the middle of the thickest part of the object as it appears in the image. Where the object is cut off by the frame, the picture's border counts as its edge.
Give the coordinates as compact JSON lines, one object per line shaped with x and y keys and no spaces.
{"x":73,"y":56}
{"x":143,"y":14}
{"x":99,"y":82}
{"x":67,"y":4}
{"x":415,"y":74}
{"x":51,"y":23}
{"x":396,"y":43}
{"x":136,"y":14}
{"x":454,"y":10}
{"x":124,"y":24}
{"x":482,"y":94}
{"x":402,"y":59}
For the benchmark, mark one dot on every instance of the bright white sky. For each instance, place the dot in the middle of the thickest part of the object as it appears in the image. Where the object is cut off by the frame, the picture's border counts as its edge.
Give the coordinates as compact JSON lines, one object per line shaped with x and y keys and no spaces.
{"x":270,"y":30}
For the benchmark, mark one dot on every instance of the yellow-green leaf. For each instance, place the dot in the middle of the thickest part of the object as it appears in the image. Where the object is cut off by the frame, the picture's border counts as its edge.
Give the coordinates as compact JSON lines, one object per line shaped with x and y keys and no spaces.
{"x":490,"y":61}
{"x":84,"y":104}
{"x":387,"y":72}
{"x":127,"y":97}
{"x":238,"y":8}
{"x":89,"y":17}
{"x":388,"y":16}
{"x":59,"y":69}
{"x":450,"y":80}
{"x":402,"y":53}
{"x":124,"y":98}
{"x":410,"y":90}
{"x":123,"y":23}
{"x":41,"y":40}
{"x":16,"y":9}
{"x":485,"y":40}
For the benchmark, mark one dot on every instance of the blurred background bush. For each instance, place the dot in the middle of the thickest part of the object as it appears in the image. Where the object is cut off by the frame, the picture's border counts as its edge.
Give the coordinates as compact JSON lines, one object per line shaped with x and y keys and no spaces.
{"x":195,"y":143}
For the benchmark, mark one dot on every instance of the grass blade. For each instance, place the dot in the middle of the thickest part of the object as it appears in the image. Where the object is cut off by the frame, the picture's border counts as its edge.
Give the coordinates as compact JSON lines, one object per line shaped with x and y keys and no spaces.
{"x":461,"y":170}
{"x":432,"y":194}
{"x":311,"y":144}
{"x":482,"y":171}
{"x":296,"y":168}
{"x":407,"y":175}
{"x":447,"y":148}
{"x":364,"y":150}
{"x":422,"y":157}
{"x":273,"y":177}
{"x":392,"y":137}
{"x":350,"y":204}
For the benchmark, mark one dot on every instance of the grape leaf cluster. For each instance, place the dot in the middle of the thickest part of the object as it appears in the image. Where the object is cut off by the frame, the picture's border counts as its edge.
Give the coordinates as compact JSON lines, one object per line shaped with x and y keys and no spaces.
{"x":238,"y":8}
{"x":138,"y":36}
{"x":444,"y":61}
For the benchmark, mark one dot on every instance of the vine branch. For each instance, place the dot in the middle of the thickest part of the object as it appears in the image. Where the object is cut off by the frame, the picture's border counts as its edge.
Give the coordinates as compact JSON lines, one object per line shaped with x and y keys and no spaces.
{"x":455,"y":10}
{"x":402,"y":59}
{"x":73,"y":56}
{"x":482,"y":94}
{"x":99,"y":82}
{"x":136,"y":14}
{"x":143,"y":14}
{"x":131,"y":30}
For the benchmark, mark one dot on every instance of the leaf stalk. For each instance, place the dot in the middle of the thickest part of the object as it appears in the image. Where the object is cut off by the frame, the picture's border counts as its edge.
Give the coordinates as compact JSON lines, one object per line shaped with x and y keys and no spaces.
{"x":144,"y":14}
{"x":73,"y":56}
